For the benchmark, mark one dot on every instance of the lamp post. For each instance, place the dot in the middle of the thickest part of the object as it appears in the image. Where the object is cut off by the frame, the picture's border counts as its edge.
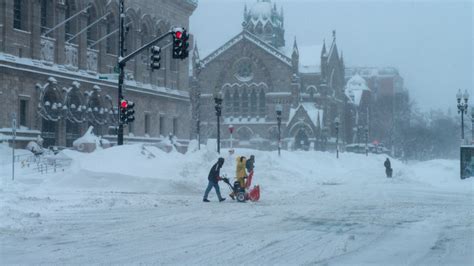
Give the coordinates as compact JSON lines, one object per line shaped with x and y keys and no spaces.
{"x":462,"y":108}
{"x":218,"y":106}
{"x":336,"y":124}
{"x":279,"y":109}
{"x":366,"y":141}
{"x":231,"y":130}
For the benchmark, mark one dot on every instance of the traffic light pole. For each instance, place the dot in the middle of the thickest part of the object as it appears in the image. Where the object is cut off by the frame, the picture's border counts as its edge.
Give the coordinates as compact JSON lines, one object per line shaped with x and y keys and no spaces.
{"x":122,"y":61}
{"x":121,"y":71}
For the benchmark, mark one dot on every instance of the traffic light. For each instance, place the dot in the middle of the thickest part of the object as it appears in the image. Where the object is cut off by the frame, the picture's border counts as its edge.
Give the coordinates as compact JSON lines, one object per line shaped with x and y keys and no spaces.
{"x":180,"y":43}
{"x":177,"y":42}
{"x":130,"y":112}
{"x":184,"y":48}
{"x":155,"y":57}
{"x":123,"y":111}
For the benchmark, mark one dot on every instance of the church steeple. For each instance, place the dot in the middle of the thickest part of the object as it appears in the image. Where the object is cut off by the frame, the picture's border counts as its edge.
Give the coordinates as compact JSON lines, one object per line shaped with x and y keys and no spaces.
{"x":196,"y":60}
{"x":295,"y":57}
{"x":265,"y":21}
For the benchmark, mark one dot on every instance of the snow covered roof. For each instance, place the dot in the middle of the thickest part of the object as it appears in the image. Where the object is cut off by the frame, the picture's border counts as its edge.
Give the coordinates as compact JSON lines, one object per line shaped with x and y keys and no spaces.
{"x":355,"y":87}
{"x":311,"y":110}
{"x":252,"y":38}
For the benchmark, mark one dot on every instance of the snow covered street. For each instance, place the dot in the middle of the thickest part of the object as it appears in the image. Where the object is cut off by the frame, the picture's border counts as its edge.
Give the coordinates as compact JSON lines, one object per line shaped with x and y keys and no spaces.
{"x":118,"y":206}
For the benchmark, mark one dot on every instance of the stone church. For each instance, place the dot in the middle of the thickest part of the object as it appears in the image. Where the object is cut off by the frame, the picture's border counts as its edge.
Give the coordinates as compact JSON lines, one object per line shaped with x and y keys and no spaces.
{"x":254,"y":74}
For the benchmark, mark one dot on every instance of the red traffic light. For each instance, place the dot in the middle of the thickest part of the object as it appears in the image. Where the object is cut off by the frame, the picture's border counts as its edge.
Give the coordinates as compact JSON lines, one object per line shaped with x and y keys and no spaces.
{"x":178,"y":34}
{"x":123,"y":104}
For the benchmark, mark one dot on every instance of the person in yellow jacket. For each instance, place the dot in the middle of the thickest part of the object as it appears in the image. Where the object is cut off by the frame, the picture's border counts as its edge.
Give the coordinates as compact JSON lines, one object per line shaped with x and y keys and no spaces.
{"x":240,"y":174}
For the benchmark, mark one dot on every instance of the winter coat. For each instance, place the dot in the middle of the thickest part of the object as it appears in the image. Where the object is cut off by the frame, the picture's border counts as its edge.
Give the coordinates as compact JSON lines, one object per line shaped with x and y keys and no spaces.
{"x":240,"y":171}
{"x":387,"y":164}
{"x":250,"y":165}
{"x":214,"y":173}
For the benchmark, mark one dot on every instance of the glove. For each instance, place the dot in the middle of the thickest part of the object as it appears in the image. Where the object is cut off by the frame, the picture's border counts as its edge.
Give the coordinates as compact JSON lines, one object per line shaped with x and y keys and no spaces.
{"x":225,"y":179}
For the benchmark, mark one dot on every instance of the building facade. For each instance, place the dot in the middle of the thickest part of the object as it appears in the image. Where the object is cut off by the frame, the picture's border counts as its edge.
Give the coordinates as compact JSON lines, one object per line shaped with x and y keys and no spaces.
{"x":254,"y":73}
{"x":59,"y":77}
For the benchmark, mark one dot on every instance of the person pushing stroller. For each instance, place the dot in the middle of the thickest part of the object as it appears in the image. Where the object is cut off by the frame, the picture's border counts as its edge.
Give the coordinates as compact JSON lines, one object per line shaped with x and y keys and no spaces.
{"x":214,"y":178}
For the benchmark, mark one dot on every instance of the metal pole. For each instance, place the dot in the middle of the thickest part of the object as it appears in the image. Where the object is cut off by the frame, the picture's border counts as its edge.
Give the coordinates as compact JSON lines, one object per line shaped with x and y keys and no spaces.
{"x":13,"y":144}
{"x":279,"y":136}
{"x":462,"y":125}
{"x":121,"y":71}
{"x":13,"y":156}
{"x":68,"y":19}
{"x":337,"y":142}
{"x":218,"y":135}
{"x":199,"y":134}
{"x":88,"y":27}
{"x":231,"y":141}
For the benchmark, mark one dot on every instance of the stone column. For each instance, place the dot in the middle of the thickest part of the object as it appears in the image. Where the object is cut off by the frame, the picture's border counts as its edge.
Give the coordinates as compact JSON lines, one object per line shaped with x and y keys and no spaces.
{"x":35,"y":26}
{"x":59,"y":35}
{"x":82,"y":41}
{"x":101,"y":31}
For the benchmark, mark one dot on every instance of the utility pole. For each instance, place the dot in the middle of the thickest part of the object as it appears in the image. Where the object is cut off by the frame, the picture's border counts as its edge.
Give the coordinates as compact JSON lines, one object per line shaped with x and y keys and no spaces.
{"x":121,"y":66}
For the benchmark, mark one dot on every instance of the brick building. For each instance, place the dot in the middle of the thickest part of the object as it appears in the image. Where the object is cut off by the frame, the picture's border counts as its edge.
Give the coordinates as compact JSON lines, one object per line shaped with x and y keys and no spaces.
{"x":54,"y":78}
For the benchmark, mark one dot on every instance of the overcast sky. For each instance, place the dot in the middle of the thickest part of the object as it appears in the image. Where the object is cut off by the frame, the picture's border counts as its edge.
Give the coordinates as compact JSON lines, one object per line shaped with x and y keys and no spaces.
{"x":430,"y":42}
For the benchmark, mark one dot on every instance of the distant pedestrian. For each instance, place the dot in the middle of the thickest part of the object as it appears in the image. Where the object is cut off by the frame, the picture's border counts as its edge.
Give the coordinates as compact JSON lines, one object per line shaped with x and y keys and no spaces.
{"x":388,"y":168}
{"x":214,"y":178}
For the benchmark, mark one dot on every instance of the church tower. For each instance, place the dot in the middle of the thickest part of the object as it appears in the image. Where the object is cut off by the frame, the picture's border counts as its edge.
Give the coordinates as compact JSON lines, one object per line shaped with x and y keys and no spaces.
{"x":264,"y":20}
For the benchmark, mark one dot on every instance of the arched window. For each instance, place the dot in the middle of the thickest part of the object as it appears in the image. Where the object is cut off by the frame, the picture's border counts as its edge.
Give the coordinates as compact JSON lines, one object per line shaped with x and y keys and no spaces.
{"x":253,"y":103}
{"x":261,"y":104}
{"x":236,"y":103}
{"x":111,"y":40}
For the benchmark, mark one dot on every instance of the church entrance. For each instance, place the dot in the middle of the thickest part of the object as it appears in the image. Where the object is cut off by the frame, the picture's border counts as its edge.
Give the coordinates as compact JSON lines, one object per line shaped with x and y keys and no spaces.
{"x":301,"y":140}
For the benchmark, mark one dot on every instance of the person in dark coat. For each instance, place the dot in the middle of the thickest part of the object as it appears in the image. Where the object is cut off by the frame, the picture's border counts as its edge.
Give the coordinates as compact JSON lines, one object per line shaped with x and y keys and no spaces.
{"x":388,"y":168}
{"x":214,"y":178}
{"x":250,"y":164}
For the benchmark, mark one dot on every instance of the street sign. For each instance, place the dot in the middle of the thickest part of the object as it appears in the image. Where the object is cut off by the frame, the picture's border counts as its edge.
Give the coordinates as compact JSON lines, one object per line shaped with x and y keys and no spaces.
{"x":116,"y":69}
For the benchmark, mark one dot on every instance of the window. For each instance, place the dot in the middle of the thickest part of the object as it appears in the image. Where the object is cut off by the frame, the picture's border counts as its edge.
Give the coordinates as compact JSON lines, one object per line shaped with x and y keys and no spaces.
{"x":162,"y":125}
{"x":92,"y":31}
{"x":175,"y":126}
{"x":261,"y":105}
{"x":69,"y":27}
{"x":253,"y":103}
{"x":147,"y":123}
{"x":24,"y":113}
{"x":17,"y":14}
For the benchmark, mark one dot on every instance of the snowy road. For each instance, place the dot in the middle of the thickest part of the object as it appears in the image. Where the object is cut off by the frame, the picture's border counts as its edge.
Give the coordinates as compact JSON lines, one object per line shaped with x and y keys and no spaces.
{"x":338,"y":221}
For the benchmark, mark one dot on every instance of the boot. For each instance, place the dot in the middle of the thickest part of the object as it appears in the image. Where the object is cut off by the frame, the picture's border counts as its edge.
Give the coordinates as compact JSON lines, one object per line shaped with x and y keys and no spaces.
{"x":231,"y":195}
{"x":221,"y":200}
{"x":205,"y":200}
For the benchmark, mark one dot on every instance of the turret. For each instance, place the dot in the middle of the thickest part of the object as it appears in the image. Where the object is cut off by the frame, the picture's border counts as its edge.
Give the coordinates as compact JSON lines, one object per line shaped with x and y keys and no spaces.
{"x":295,"y":58}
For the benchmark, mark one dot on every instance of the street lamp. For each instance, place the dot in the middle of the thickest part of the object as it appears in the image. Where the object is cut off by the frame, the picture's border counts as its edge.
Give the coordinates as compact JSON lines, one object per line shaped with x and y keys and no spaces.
{"x":218,"y":106}
{"x":336,"y":124}
{"x":462,"y":108}
{"x":279,"y":109}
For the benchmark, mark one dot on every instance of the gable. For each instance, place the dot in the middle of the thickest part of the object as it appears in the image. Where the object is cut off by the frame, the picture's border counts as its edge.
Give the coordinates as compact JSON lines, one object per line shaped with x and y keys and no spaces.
{"x":246,"y":36}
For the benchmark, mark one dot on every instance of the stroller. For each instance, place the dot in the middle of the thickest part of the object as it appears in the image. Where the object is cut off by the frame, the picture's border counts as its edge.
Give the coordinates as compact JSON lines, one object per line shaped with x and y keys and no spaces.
{"x":244,"y":193}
